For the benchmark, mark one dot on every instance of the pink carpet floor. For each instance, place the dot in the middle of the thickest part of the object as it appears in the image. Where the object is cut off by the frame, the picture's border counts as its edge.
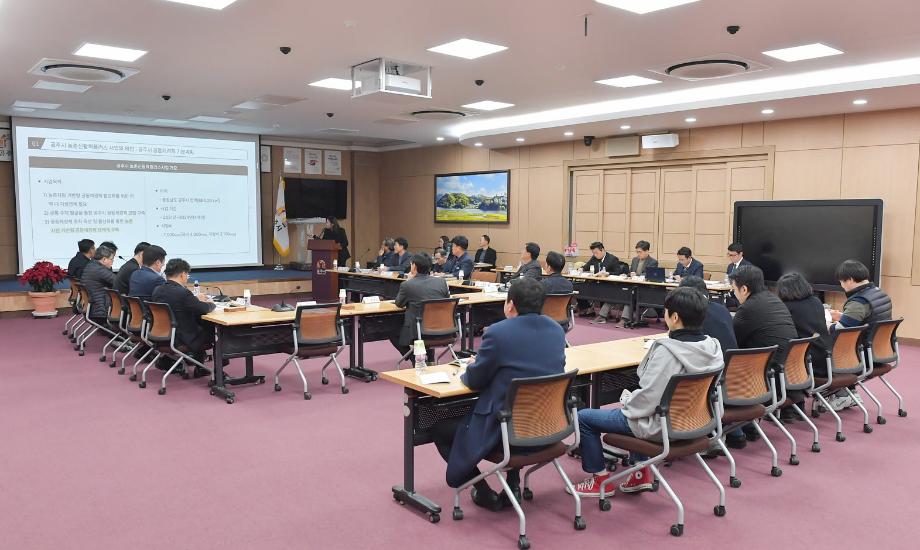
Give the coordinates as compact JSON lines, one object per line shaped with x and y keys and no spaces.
{"x":90,"y":461}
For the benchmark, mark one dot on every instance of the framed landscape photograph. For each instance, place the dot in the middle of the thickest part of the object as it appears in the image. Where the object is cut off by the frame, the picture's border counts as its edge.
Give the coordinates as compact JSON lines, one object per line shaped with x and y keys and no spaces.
{"x":472,"y":197}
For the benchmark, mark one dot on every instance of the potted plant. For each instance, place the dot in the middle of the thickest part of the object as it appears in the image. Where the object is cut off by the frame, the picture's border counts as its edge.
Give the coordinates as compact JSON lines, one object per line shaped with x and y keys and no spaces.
{"x":42,"y":277}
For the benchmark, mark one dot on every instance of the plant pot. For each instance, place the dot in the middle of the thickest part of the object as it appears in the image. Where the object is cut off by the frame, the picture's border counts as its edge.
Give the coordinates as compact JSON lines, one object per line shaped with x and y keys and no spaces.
{"x":44,"y":304}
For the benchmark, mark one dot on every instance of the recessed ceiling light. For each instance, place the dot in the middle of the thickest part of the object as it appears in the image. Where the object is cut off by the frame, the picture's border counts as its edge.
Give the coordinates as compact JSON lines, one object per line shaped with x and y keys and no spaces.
{"x":214,"y":119}
{"x":807,"y":51}
{"x":36,"y":105}
{"x":690,"y":119}
{"x":488,"y":105}
{"x":213,"y":4}
{"x":630,"y":81}
{"x":569,"y":134}
{"x":625,"y":127}
{"x":333,"y":83}
{"x":439,"y":138}
{"x":478,"y":144}
{"x":113,"y":53}
{"x":23,"y":109}
{"x":467,"y":49}
{"x":767,"y":112}
{"x":169,"y":121}
{"x":519,"y":140}
{"x":860,"y":101}
{"x":644,"y":6}
{"x":61,"y":86}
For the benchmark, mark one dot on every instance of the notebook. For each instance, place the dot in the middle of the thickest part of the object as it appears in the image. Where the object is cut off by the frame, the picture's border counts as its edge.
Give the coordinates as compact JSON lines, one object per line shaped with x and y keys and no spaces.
{"x":654,"y":274}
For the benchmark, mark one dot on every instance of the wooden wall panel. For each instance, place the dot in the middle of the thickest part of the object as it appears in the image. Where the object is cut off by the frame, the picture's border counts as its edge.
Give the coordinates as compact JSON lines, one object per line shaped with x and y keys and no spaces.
{"x":716,"y":137}
{"x":882,"y":128}
{"x":551,"y":154}
{"x":752,"y":134}
{"x":587,"y":207}
{"x":545,"y":196}
{"x":813,"y":174}
{"x":798,"y":134}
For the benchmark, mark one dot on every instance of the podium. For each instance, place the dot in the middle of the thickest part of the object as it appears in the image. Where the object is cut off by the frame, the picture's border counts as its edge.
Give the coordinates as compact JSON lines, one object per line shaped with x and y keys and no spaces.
{"x":325,"y":279}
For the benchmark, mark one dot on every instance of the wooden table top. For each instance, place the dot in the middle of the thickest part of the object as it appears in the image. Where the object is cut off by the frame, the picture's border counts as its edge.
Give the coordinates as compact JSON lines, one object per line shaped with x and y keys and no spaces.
{"x":718,"y":287}
{"x":588,"y":359}
{"x":451,"y":281}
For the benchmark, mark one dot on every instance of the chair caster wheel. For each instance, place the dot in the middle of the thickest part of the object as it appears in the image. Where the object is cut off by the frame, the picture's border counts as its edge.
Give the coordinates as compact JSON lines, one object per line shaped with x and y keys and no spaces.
{"x":902,"y":413}
{"x":81,"y":353}
{"x":142,"y":385}
{"x":734,"y":482}
{"x":776,"y":472}
{"x":458,"y":514}
{"x":112,"y":365}
{"x":719,"y":510}
{"x":229,"y":400}
{"x":162,"y":391}
{"x":344,"y":390}
{"x":324,"y":381}
{"x":186,"y":376}
{"x":211,"y":391}
{"x":655,"y":486}
{"x":261,"y":380}
{"x":580,"y":523}
{"x":277,"y":387}
{"x":867,"y":429}
{"x":102,"y":358}
{"x":527,"y":494}
{"x":840,"y":437}
{"x":604,"y":505}
{"x":63,"y":333}
{"x":881,"y":420}
{"x":677,"y":529}
{"x":133,"y":378}
{"x":523,"y":543}
{"x":121,"y":372}
{"x":434,"y":518}
{"x":307,"y":396}
{"x":815,"y":448}
{"x":794,"y":460}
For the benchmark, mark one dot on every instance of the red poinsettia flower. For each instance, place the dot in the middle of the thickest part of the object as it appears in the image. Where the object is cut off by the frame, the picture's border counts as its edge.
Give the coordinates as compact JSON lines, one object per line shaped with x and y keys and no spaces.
{"x":42,"y":276}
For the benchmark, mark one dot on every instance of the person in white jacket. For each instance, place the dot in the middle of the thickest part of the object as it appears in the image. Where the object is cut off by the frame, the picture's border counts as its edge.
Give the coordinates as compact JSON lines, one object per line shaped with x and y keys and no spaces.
{"x":685,"y":350}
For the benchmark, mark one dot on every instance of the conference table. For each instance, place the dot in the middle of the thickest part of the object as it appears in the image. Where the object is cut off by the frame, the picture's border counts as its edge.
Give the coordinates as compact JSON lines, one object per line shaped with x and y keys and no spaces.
{"x":605,"y":369}
{"x":372,"y":283}
{"x":260,"y":331}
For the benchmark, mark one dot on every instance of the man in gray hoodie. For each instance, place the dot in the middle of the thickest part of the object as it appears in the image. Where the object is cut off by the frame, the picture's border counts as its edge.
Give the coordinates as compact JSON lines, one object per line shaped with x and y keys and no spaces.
{"x":685,"y":350}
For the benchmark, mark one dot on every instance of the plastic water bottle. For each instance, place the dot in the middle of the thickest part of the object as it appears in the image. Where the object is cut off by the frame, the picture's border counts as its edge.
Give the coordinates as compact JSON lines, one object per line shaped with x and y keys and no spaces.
{"x":342,"y":296}
{"x":592,"y":269}
{"x":247,"y":296}
{"x":421,"y":356}
{"x":335,"y":264}
{"x":197,"y":290}
{"x":460,"y":275}
{"x":357,"y":265}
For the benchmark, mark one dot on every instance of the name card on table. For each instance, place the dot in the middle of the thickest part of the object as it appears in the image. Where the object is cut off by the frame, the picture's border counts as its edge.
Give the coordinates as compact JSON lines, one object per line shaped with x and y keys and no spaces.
{"x":370,"y":300}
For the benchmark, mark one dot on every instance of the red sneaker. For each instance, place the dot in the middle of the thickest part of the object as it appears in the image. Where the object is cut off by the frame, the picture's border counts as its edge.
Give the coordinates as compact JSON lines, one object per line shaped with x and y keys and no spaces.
{"x":591,"y":487}
{"x":639,"y":481}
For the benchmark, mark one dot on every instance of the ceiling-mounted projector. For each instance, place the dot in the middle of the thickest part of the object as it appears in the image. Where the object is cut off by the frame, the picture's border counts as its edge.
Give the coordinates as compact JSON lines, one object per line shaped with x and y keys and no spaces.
{"x":392,"y":77}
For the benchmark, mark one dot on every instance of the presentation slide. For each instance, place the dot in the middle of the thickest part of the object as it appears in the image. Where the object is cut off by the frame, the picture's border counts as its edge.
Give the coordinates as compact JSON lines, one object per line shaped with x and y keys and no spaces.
{"x":197,"y":197}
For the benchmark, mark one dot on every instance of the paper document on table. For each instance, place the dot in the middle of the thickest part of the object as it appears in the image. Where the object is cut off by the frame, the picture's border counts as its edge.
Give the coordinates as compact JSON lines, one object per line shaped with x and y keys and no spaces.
{"x":435,"y":378}
{"x":648,"y":344}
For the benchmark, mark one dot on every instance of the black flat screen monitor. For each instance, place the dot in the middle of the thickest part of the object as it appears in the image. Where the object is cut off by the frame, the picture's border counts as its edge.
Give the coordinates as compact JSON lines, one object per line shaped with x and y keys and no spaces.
{"x":315,"y":198}
{"x":810,"y":237}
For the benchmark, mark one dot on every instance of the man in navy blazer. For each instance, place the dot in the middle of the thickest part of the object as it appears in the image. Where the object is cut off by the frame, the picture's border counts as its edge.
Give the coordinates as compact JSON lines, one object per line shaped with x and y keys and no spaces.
{"x":526,"y":344}
{"x":687,"y":265}
{"x":736,"y":259}
{"x":459,"y":261}
{"x":147,"y":278}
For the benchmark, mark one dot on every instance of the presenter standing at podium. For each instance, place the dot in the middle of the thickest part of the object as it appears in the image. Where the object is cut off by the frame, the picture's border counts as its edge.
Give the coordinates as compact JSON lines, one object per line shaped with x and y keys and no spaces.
{"x":335,"y":232}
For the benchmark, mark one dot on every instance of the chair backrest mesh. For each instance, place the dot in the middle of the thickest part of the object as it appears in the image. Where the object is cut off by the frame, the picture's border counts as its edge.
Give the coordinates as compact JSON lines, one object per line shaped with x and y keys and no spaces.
{"x":745,"y":380}
{"x":318,"y":324}
{"x":690,"y":413}
{"x":556,"y":307}
{"x":539,"y":413}
{"x":438,"y":317}
{"x":136,"y":318}
{"x":161,"y":327}
{"x":845,"y":354}
{"x":796,"y":367}
{"x":486,"y":276}
{"x":883,"y":341}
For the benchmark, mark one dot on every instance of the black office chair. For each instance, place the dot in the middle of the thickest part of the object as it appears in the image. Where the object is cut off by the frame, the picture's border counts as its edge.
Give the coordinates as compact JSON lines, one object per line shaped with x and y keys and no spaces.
{"x":318,"y":332}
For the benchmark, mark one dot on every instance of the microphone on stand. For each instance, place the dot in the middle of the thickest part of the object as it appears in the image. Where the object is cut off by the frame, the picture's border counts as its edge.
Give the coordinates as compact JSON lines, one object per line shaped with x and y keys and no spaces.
{"x":219,"y":297}
{"x":283,"y":306}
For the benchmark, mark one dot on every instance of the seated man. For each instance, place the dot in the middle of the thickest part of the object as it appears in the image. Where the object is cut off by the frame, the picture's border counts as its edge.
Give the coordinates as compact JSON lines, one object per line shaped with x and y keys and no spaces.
{"x":459,"y":261}
{"x":385,"y":252}
{"x":687,"y":265}
{"x":485,"y":254}
{"x":602,"y":264}
{"x":440,"y":258}
{"x":399,"y":261}
{"x":718,"y":321}
{"x":866,"y":304}
{"x":685,"y":350}
{"x":84,"y":255}
{"x":123,"y":279}
{"x":191,"y":331}
{"x":762,"y":320}
{"x":530,"y":267}
{"x":640,"y":262}
{"x":147,"y":278}
{"x":736,"y":260}
{"x":556,"y":283}
{"x":97,"y":277}
{"x":525,"y":344}
{"x":417,"y":287}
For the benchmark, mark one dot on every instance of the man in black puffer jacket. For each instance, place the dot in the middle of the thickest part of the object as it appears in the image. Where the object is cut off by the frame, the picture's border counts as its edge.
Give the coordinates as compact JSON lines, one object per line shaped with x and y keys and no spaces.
{"x":97,"y":277}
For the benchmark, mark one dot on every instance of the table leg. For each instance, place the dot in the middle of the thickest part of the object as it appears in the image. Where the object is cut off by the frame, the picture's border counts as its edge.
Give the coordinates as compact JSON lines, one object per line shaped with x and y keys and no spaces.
{"x":471,"y":330}
{"x":357,"y":370}
{"x":219,"y":389}
{"x":249,"y":378}
{"x":405,"y":493}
